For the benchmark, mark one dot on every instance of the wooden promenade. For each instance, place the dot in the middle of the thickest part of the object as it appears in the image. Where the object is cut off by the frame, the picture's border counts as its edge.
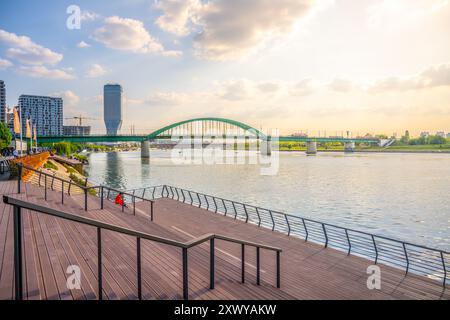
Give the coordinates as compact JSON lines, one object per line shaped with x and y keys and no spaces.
{"x":308,"y":271}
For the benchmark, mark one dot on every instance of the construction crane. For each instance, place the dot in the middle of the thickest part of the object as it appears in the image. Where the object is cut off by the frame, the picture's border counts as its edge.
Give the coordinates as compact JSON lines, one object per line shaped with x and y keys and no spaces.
{"x":80,"y":118}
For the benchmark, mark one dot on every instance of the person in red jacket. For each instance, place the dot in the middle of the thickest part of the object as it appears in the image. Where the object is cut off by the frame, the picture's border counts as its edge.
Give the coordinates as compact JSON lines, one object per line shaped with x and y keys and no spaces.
{"x":119,"y":199}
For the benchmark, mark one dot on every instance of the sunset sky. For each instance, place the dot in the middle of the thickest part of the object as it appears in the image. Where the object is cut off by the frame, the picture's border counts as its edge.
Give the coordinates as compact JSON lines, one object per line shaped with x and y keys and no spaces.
{"x":362,"y":65}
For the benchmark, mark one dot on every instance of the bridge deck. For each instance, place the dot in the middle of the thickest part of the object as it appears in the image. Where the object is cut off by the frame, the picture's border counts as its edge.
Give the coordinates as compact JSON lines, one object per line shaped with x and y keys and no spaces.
{"x":308,"y":271}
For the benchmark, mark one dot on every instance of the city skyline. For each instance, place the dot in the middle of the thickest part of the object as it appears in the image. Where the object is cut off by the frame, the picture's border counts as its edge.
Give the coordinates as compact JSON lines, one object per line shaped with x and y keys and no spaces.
{"x":374,"y":66}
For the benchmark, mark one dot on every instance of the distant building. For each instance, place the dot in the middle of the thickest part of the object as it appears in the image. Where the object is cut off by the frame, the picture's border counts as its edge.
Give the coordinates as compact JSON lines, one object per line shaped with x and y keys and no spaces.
{"x":112,"y":108}
{"x":45,"y":112}
{"x":2,"y":101}
{"x":76,"y":130}
{"x":440,"y":134}
{"x":424,"y":134}
{"x":10,"y":120}
{"x":448,"y":135}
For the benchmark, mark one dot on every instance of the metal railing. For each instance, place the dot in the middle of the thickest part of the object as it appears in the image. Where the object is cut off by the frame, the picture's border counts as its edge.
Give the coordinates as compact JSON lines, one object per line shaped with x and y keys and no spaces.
{"x":47,"y":181}
{"x":418,"y":259}
{"x":184,"y":246}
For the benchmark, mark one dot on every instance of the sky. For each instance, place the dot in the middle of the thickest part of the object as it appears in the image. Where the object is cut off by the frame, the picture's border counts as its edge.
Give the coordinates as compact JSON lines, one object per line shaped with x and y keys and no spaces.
{"x":294,"y":65}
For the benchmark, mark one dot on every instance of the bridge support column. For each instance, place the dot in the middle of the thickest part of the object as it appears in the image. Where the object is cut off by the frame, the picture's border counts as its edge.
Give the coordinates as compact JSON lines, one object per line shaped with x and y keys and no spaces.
{"x":266,"y":147}
{"x":145,"y":149}
{"x":349,"y":147}
{"x":311,"y":147}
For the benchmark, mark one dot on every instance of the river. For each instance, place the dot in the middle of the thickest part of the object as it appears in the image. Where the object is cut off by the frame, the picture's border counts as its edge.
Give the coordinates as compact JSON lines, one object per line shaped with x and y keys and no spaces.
{"x":404,"y":196}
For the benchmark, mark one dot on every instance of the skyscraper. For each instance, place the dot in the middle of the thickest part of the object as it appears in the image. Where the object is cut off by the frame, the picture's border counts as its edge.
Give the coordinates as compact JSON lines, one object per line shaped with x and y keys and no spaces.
{"x":2,"y":101}
{"x":45,"y":112}
{"x":112,"y":108}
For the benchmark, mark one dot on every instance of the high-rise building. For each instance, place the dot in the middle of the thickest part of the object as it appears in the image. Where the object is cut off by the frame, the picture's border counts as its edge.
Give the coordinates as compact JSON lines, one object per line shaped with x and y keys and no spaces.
{"x":45,"y":112}
{"x":112,"y":108}
{"x":2,"y":101}
{"x":77,"y":130}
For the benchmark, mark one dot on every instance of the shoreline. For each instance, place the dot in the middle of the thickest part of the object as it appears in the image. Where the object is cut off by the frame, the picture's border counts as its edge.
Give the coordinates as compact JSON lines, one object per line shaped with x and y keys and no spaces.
{"x":377,"y":151}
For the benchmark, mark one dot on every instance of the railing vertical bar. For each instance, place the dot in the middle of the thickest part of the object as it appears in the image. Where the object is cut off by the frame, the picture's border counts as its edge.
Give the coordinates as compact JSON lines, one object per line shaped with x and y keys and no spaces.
{"x":85,"y":199}
{"x":190,"y":196}
{"x":199,"y":201}
{"x":225,"y":207}
{"x":215,"y":204}
{"x":325,"y":235}
{"x":19,"y":177}
{"x":258,"y":267}
{"x":273,"y":221}
{"x":134,"y":204}
{"x":18,"y":275}
{"x":139,"y":267}
{"x":288,"y":225}
{"x":234,"y":208}
{"x":185,"y":275}
{"x":246,"y":213}
{"x":406,"y":257}
{"x":243,"y":263}
{"x":207,"y":202}
{"x":211,"y":264}
{"x":306,"y":230}
{"x":259,"y":216}
{"x":376,"y":249}
{"x":101,"y":197}
{"x":45,"y":187}
{"x":151,"y":210}
{"x":348,"y":241}
{"x":62,"y":191}
{"x":99,"y":263}
{"x":278,"y":269}
{"x":445,"y":269}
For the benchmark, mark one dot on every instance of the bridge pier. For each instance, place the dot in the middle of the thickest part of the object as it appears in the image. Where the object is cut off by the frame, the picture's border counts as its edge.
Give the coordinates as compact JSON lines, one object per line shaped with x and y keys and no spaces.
{"x":311,"y":147}
{"x":266,"y":147}
{"x":349,"y":146}
{"x":145,"y":149}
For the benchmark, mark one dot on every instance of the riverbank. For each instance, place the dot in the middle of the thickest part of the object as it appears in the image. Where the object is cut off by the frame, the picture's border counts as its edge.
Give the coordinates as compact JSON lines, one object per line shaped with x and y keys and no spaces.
{"x":380,"y":150}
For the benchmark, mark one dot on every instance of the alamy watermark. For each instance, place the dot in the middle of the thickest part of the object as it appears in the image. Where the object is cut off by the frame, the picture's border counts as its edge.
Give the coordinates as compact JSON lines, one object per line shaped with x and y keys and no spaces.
{"x":226,"y":149}
{"x":374,"y":279}
{"x":74,"y":279}
{"x":73,"y":21}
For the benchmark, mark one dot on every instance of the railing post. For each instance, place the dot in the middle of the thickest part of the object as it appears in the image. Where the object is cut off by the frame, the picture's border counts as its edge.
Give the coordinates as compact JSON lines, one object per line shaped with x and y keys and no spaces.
{"x":85,"y":199}
{"x":101,"y":197}
{"x":40,"y":174}
{"x":215,"y":204}
{"x":406,"y":257}
{"x":376,"y":249}
{"x":151,"y":210}
{"x":139,"y":267}
{"x":70,"y":186}
{"x":306,"y":229}
{"x":19,"y":176}
{"x":445,"y":269}
{"x":185,"y":275}
{"x":348,"y":241}
{"x":123,"y":201}
{"x":288,"y":225}
{"x":62,"y":191}
{"x":273,"y":221}
{"x":234,"y":208}
{"x":18,"y":276}
{"x":99,"y":263}
{"x":258,"y":267}
{"x":325,"y":235}
{"x":211,"y":263}
{"x":134,"y":205}
{"x":246,"y":213}
{"x":53,"y":181}
{"x":199,"y":201}
{"x":259,"y":217}
{"x":190,"y":196}
{"x":278,"y":270}
{"x":225,"y":207}
{"x":243,"y":263}
{"x":45,"y":187}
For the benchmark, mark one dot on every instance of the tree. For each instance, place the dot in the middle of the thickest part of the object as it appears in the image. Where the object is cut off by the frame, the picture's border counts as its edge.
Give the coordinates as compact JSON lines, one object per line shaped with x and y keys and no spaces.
{"x":5,"y":136}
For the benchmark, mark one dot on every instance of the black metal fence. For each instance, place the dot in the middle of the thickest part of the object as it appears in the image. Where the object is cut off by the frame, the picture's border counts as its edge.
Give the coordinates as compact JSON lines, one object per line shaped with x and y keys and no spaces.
{"x":418,"y":259}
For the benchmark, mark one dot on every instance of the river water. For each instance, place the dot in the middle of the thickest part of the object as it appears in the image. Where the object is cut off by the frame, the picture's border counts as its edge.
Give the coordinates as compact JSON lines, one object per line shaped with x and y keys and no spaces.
{"x":404,"y":196}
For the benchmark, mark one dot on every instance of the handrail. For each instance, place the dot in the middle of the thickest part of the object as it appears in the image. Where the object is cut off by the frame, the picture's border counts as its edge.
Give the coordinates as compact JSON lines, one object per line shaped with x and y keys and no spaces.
{"x":18,"y":265}
{"x":85,"y":189}
{"x":416,"y":258}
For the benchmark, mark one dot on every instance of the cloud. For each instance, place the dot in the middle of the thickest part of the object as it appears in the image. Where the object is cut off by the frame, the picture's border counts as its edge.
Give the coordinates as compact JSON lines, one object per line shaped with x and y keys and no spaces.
{"x":96,"y":71}
{"x":341,"y":85}
{"x":235,"y":90}
{"x":44,"y":72}
{"x":5,"y":64}
{"x":164,"y":99}
{"x":230,"y":29}
{"x":83,"y":45}
{"x":24,"y":50}
{"x":434,"y":76}
{"x":389,"y":13}
{"x":69,"y":97}
{"x":176,"y":15}
{"x":129,"y":35}
{"x":268,"y":87}
{"x":303,"y":88}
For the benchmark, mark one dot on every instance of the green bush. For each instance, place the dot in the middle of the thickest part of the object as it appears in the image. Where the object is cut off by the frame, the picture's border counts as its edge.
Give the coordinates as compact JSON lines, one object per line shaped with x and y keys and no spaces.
{"x":5,"y":136}
{"x":50,"y":165}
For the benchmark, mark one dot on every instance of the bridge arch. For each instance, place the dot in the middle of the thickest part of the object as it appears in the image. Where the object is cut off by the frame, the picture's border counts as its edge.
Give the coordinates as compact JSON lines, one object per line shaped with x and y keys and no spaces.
{"x":250,"y":129}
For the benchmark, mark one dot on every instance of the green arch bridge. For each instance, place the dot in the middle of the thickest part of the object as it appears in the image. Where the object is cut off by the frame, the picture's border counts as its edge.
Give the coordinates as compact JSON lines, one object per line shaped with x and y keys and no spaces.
{"x":211,"y":127}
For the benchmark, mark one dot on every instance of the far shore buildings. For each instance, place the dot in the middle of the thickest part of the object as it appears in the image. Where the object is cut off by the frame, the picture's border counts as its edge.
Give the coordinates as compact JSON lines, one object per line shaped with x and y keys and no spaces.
{"x":77,"y":130}
{"x":45,"y":112}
